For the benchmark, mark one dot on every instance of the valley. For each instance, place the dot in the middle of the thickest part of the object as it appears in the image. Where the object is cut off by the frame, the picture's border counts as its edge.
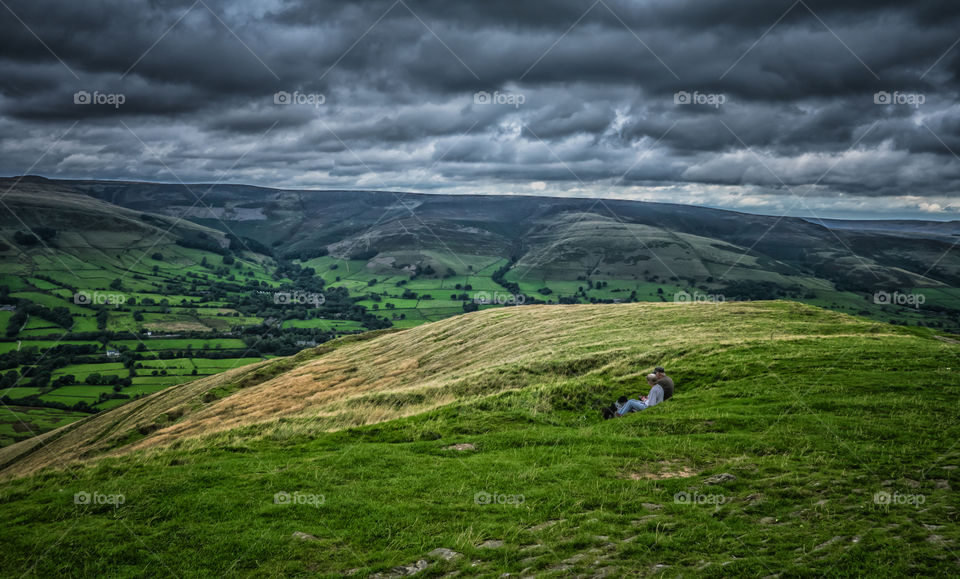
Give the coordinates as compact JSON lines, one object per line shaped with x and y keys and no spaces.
{"x":109,"y":294}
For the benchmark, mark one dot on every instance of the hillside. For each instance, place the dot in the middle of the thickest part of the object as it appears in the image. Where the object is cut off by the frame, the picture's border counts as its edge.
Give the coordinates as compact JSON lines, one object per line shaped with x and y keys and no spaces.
{"x":800,"y":441}
{"x":197,"y":274}
{"x":349,"y":222}
{"x":421,"y":258}
{"x":103,"y":304}
{"x":571,"y":250}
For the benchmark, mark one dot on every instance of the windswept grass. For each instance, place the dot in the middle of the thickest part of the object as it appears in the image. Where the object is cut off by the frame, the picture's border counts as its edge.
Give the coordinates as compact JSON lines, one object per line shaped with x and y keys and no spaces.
{"x":839,"y":433}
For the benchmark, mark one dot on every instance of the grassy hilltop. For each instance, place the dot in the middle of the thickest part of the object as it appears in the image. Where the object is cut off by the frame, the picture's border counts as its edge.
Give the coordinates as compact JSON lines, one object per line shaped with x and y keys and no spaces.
{"x":800,"y":441}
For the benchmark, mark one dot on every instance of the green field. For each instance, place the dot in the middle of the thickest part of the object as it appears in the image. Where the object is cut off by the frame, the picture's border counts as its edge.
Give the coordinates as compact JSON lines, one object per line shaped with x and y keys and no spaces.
{"x":155,"y":299}
{"x":329,"y":325}
{"x":73,"y":394}
{"x":81,"y":371}
{"x":182,"y":344}
{"x":19,"y":422}
{"x":790,"y":448}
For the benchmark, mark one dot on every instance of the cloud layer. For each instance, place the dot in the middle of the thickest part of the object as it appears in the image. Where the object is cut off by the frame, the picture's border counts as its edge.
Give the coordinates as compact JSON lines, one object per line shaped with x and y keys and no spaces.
{"x":818,"y":108}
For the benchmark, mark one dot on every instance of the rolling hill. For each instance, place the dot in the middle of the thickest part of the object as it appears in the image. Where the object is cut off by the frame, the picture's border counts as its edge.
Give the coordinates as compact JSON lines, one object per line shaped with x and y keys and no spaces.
{"x":200,"y":270}
{"x":557,"y":240}
{"x":103,"y":304}
{"x":800,"y":441}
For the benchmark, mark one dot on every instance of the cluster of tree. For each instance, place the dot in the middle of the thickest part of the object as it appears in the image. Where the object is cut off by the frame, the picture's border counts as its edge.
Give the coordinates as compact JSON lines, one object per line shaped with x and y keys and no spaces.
{"x":36,"y":402}
{"x":304,"y":254}
{"x":106,"y":380}
{"x":202,"y":241}
{"x":37,"y":236}
{"x":758,"y":290}
{"x":265,"y":340}
{"x":25,"y":308}
{"x":238,"y":244}
{"x":498,"y":276}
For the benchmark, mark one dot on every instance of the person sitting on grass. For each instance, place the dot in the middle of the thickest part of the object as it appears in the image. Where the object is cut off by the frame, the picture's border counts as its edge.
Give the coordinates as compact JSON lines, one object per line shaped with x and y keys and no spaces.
{"x":655,"y":397}
{"x":666,"y":382}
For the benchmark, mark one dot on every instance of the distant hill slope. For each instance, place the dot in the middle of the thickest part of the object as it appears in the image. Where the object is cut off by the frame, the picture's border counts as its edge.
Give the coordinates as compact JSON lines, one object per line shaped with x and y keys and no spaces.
{"x":395,"y":224}
{"x":377,"y":377}
{"x":901,"y":226}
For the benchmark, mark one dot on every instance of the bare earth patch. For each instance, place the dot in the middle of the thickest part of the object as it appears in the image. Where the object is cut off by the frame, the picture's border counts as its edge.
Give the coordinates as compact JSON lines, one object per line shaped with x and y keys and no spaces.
{"x":667,"y":470}
{"x":461,"y":447}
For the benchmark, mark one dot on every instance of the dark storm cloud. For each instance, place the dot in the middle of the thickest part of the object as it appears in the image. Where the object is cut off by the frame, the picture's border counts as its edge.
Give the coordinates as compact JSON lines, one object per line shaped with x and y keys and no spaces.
{"x":580,"y":96}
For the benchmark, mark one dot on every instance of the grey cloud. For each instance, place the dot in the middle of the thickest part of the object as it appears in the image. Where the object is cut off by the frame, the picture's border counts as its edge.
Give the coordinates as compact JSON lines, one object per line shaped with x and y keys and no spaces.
{"x":399,"y":95}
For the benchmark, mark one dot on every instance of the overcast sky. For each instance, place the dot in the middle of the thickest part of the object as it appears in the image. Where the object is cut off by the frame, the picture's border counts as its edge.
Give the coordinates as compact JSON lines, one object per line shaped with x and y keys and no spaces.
{"x":838,"y":108}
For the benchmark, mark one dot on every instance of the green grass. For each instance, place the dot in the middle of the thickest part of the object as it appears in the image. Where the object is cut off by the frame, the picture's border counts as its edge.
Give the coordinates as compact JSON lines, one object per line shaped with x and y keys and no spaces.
{"x":154,"y":383}
{"x":182,"y":344}
{"x":813,"y":413}
{"x":209,"y":363}
{"x":19,"y":422}
{"x":74,"y":394}
{"x":19,"y":391}
{"x":326,"y":325}
{"x":52,"y":301}
{"x":81,"y":371}
{"x":40,"y":344}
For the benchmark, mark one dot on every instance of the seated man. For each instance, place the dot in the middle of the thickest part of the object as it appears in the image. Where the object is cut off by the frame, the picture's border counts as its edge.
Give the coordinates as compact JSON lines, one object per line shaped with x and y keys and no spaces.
{"x":666,"y":382}
{"x":655,"y":397}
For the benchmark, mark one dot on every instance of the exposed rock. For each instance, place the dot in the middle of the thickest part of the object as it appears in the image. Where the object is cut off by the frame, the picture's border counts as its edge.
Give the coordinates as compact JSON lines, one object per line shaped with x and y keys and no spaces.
{"x":403,"y":570}
{"x":491,"y":544}
{"x":652,"y":506}
{"x":304,"y":536}
{"x":546,"y":524}
{"x":443,"y":553}
{"x":720,"y":478}
{"x":942,"y":484}
{"x":768,"y":521}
